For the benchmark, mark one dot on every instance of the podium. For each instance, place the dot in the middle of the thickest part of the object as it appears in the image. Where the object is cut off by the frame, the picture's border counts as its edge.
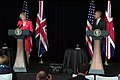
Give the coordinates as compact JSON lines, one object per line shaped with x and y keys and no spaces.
{"x":20,"y":61}
{"x":96,"y":65}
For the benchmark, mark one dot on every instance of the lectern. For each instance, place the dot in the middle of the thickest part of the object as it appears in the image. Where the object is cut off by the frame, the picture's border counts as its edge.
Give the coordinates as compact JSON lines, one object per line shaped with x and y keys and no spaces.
{"x":20,"y":62}
{"x":96,"y":65}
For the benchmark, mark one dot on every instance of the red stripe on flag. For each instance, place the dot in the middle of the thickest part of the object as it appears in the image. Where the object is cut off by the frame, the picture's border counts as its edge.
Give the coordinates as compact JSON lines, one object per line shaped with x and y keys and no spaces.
{"x":42,"y":31}
{"x":37,"y":31}
{"x":90,"y":43}
{"x":90,"y":52}
{"x":110,"y":28}
{"x":89,"y":40}
{"x":41,"y":25}
{"x":88,"y":27}
{"x":89,"y":49}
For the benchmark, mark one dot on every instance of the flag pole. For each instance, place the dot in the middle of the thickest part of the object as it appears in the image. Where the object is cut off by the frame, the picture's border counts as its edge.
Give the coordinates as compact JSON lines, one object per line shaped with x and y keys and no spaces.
{"x":41,"y":60}
{"x":42,"y":37}
{"x":106,"y":61}
{"x":90,"y":61}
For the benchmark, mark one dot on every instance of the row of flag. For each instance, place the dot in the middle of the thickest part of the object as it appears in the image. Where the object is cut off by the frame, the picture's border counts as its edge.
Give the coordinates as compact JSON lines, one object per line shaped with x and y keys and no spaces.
{"x":41,"y":32}
{"x":109,"y":48}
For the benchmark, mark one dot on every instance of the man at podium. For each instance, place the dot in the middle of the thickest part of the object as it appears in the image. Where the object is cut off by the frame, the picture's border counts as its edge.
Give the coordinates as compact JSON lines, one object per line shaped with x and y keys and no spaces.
{"x":25,"y":24}
{"x":98,"y":33}
{"x":98,"y":23}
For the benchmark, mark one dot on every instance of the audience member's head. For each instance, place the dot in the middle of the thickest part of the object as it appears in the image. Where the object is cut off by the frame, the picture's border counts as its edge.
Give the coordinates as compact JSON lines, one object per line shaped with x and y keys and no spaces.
{"x":4,"y":60}
{"x":42,"y":75}
{"x":82,"y":69}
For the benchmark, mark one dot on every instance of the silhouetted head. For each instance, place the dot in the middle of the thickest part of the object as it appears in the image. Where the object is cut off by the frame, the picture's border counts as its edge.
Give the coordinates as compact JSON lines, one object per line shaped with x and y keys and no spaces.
{"x":82,"y":69}
{"x":4,"y":60}
{"x":41,"y":75}
{"x":98,"y":14}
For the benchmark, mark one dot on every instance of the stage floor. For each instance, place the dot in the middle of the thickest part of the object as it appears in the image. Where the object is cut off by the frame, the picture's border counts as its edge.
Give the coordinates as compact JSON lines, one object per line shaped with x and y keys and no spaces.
{"x":112,"y":69}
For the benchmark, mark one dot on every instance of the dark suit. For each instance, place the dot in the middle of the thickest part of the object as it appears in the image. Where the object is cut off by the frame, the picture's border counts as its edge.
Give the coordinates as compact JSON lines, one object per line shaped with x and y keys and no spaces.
{"x":79,"y":77}
{"x":101,"y":25}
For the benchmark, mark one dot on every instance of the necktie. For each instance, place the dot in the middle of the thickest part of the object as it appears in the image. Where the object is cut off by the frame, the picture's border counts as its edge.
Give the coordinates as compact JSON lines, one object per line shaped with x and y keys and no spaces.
{"x":97,"y":22}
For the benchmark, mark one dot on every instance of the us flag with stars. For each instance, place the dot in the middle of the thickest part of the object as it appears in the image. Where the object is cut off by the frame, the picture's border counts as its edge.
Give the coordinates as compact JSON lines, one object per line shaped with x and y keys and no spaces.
{"x":91,"y":12}
{"x":90,"y":20}
{"x":25,"y":9}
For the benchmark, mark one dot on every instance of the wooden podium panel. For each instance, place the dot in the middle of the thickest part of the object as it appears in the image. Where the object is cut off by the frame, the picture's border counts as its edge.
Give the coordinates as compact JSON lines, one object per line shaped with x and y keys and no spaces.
{"x":20,"y":62}
{"x":96,"y":66}
{"x":19,"y":65}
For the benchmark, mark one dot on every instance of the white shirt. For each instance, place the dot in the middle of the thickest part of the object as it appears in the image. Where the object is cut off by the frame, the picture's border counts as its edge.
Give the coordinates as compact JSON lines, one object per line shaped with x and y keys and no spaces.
{"x":97,"y":21}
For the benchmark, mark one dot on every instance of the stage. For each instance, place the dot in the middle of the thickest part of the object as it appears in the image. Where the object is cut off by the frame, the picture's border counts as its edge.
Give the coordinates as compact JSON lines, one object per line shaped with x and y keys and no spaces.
{"x":66,"y":27}
{"x":111,"y":70}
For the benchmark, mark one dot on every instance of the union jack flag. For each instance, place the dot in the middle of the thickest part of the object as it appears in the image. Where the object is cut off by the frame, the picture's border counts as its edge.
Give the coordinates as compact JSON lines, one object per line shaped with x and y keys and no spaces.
{"x":40,"y":31}
{"x":109,"y":48}
{"x":89,"y":26}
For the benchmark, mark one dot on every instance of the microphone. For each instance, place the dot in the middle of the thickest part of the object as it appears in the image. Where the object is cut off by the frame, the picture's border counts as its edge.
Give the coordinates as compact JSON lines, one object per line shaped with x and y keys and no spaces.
{"x":19,"y":25}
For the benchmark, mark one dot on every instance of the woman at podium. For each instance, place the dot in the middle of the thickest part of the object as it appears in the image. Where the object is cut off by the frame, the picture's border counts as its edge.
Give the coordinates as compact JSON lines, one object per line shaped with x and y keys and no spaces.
{"x":25,"y":24}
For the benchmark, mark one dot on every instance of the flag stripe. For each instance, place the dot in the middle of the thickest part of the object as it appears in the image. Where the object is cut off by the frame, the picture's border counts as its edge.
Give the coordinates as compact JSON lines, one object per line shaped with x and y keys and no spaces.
{"x":89,"y":27}
{"x":43,"y":33}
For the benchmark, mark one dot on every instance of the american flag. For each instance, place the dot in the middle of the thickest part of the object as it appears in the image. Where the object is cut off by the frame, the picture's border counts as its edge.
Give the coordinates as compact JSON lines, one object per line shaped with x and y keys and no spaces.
{"x":40,"y":31}
{"x":25,"y":9}
{"x":89,"y":26}
{"x":110,"y":40}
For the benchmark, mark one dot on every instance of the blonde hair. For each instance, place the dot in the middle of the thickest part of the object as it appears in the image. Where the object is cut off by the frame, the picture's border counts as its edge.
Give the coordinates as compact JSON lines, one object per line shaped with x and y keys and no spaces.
{"x":4,"y":60}
{"x":22,"y":14}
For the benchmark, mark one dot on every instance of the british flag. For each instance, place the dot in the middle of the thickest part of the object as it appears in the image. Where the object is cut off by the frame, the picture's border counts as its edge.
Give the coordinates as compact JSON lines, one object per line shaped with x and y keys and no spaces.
{"x":89,"y":26}
{"x":40,"y":31}
{"x":110,"y":40}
